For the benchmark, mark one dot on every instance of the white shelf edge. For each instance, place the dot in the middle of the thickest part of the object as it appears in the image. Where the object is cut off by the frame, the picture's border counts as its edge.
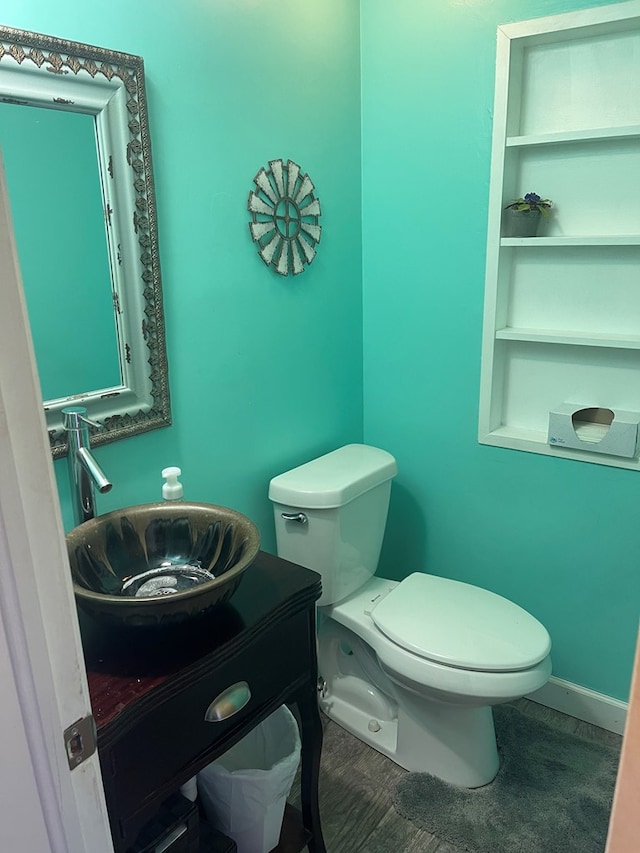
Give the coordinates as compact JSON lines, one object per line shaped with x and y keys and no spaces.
{"x":594,"y":240}
{"x":535,"y":441}
{"x":589,"y":135}
{"x":573,"y":25}
{"x":572,"y":338}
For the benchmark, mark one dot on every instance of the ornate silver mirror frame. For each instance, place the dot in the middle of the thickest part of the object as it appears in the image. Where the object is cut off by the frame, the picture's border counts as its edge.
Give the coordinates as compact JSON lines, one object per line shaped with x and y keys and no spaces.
{"x":51,"y":73}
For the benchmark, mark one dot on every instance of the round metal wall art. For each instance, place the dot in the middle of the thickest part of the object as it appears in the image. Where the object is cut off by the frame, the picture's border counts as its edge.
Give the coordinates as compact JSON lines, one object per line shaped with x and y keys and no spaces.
{"x":284,"y":217}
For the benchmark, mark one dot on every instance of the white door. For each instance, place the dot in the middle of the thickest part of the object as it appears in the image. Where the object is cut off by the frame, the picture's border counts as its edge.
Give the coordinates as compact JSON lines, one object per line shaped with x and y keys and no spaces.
{"x":44,"y":805}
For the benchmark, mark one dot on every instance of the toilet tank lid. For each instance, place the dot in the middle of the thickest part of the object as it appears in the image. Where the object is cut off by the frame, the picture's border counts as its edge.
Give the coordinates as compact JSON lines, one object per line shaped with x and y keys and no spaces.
{"x":334,"y":479}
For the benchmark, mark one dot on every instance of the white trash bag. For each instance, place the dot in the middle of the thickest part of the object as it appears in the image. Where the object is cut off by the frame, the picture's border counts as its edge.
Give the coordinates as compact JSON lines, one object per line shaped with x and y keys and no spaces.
{"x":244,"y":792}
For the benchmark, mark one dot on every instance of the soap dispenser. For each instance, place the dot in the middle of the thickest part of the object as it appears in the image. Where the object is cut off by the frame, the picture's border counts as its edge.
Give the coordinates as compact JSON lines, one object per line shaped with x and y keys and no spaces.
{"x":172,"y":487}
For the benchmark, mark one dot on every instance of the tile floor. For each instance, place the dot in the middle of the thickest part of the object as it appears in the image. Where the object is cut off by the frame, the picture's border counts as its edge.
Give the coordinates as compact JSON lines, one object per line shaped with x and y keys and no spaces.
{"x":357,"y":785}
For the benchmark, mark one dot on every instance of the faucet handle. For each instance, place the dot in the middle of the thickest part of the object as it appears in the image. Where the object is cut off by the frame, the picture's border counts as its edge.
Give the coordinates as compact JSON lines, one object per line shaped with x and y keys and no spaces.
{"x":74,"y":414}
{"x":91,"y":423}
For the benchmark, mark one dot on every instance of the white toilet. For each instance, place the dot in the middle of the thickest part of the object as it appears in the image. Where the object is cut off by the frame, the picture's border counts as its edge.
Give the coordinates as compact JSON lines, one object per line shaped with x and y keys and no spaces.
{"x":411,"y":668}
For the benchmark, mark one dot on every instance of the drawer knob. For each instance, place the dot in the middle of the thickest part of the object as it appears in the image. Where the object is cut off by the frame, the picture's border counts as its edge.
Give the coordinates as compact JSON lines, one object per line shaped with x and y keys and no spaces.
{"x":228,"y":703}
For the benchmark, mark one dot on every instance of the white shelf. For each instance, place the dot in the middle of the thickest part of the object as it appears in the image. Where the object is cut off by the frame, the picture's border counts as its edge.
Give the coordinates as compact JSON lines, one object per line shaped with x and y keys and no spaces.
{"x":517,"y":438}
{"x":562,"y":312}
{"x":593,"y":135}
{"x":572,"y":338}
{"x":595,"y":240}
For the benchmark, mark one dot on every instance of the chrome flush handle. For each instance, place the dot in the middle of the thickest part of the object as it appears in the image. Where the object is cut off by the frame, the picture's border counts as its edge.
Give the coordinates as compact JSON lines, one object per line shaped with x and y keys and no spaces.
{"x":300,"y":517}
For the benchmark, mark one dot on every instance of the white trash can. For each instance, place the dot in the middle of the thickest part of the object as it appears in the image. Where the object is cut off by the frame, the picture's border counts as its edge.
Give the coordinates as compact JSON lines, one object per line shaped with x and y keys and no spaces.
{"x":244,"y":792}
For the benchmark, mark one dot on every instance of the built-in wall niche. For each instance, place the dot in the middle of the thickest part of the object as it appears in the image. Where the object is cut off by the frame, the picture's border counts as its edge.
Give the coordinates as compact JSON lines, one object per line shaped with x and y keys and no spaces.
{"x":587,"y":180}
{"x":571,"y":82}
{"x":562,"y":310}
{"x":535,"y":373}
{"x":589,"y":291}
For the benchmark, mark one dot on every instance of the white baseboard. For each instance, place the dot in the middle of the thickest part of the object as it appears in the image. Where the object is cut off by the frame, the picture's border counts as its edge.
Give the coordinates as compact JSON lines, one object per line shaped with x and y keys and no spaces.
{"x":585,"y":704}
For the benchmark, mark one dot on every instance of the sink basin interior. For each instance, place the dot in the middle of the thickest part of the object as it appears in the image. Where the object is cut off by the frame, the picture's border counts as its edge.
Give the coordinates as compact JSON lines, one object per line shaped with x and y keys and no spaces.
{"x":160,"y":563}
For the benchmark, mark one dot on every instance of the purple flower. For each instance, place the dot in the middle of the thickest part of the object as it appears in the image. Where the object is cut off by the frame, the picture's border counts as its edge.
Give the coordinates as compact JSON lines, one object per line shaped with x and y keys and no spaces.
{"x":531,"y":202}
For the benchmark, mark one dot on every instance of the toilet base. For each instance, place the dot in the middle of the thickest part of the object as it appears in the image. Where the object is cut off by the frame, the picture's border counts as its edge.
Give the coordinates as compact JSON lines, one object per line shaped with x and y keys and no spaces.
{"x":455,"y":742}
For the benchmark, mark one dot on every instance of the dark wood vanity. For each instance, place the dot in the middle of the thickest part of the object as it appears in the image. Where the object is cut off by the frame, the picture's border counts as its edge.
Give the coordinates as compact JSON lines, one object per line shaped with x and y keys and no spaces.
{"x":150,"y":691}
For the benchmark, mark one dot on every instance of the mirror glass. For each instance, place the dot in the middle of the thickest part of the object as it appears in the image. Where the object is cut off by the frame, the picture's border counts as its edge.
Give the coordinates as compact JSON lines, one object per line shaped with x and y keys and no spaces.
{"x":51,"y":155}
{"x":75,"y":141}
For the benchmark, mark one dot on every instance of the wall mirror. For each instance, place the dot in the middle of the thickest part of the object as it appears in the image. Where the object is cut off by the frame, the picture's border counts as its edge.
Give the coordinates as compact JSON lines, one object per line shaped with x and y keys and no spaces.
{"x":75,"y":139}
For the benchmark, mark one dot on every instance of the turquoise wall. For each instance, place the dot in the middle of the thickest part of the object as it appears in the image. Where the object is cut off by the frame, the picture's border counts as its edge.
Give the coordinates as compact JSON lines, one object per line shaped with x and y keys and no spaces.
{"x":561,"y":538}
{"x":265,"y":371}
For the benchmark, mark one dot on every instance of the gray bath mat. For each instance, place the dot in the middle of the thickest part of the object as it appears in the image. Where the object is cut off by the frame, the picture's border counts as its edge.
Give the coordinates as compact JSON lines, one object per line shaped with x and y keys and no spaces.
{"x":552,"y":794}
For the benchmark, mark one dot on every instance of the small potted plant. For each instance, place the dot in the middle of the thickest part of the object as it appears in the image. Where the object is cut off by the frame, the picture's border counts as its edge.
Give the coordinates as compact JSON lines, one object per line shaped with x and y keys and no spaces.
{"x":522,"y":216}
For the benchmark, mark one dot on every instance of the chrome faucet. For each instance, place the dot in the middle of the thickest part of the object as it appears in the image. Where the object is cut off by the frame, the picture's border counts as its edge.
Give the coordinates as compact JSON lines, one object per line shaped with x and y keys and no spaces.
{"x":84,"y":471}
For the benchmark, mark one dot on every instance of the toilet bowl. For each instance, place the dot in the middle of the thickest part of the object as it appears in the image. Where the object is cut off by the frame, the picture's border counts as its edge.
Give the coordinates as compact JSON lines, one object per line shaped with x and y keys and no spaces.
{"x":411,"y":667}
{"x":429,"y":715}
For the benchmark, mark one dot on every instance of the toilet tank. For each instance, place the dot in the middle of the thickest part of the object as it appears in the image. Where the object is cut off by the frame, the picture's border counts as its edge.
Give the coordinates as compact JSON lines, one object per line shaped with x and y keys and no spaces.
{"x":344,"y":497}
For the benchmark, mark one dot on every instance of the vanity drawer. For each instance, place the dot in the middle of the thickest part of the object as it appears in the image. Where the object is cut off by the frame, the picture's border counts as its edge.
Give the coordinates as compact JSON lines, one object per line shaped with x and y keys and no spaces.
{"x":173,"y":740}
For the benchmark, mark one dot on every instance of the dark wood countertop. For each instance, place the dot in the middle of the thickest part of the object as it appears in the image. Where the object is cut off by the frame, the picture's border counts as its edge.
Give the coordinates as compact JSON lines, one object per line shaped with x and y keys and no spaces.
{"x":126,"y":664}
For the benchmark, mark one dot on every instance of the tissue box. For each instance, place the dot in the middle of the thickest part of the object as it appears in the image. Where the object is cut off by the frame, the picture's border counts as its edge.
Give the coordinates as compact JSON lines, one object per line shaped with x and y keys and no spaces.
{"x":595,"y":429}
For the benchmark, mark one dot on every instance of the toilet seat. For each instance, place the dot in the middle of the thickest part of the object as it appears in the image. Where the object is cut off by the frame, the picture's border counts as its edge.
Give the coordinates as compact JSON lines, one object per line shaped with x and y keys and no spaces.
{"x":448,"y":683}
{"x":459,"y":625}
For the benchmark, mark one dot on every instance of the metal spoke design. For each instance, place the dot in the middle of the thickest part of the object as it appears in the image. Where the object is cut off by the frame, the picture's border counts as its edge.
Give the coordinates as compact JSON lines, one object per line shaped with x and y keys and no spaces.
{"x":284,"y":217}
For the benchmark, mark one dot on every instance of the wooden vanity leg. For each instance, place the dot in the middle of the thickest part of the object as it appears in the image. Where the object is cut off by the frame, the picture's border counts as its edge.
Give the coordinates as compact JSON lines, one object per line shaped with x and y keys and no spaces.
{"x":311,"y":749}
